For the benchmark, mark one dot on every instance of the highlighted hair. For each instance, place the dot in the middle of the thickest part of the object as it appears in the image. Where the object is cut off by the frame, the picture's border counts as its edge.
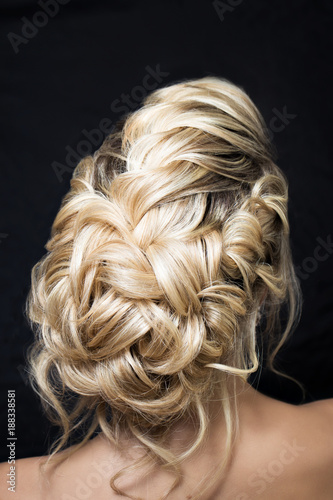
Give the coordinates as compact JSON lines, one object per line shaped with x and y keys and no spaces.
{"x":172,"y":240}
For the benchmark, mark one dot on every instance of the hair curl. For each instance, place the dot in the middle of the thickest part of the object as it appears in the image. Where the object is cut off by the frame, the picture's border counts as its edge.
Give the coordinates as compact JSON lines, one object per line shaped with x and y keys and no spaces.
{"x":173,"y":238}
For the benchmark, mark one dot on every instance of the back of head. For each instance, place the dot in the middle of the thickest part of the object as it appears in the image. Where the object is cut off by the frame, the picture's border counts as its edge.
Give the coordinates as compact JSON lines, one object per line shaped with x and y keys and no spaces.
{"x":172,"y":239}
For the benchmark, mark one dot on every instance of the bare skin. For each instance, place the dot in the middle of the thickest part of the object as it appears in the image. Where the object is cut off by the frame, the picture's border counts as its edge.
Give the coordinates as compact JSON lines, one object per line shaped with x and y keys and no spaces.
{"x":282,"y":452}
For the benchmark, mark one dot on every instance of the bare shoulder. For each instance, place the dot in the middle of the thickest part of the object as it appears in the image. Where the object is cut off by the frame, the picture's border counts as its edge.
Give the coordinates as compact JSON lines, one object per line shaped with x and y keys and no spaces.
{"x":324,"y":409}
{"x":309,"y":419}
{"x":32,"y":483}
{"x":310,"y":432}
{"x":21,"y":479}
{"x":316,"y":420}
{"x":317,"y":429}
{"x":299,"y":437}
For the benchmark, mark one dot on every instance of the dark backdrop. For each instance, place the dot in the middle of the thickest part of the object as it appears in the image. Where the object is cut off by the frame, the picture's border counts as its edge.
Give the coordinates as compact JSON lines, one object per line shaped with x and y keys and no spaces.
{"x":70,"y":69}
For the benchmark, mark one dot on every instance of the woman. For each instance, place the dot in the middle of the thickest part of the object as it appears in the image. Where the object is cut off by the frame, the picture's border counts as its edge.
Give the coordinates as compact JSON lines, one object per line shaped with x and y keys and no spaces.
{"x":167,"y":265}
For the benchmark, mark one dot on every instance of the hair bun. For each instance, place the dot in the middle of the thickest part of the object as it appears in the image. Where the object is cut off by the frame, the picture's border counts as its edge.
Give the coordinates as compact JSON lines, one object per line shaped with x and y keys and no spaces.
{"x":158,"y":262}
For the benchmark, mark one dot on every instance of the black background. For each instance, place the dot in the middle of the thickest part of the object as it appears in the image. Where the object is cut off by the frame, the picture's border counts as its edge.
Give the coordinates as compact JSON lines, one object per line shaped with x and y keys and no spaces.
{"x":63,"y":79}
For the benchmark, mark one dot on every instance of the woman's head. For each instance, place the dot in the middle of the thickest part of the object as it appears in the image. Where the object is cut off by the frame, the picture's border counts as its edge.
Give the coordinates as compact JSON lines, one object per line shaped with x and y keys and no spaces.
{"x":173,"y":237}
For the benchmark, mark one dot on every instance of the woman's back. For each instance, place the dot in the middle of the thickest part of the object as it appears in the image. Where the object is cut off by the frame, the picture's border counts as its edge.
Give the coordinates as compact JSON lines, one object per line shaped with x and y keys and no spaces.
{"x":282,"y":452}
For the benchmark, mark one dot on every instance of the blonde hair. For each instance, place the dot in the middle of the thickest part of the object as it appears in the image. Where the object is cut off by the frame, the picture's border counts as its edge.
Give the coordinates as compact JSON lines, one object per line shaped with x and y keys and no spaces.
{"x":171,"y":242}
